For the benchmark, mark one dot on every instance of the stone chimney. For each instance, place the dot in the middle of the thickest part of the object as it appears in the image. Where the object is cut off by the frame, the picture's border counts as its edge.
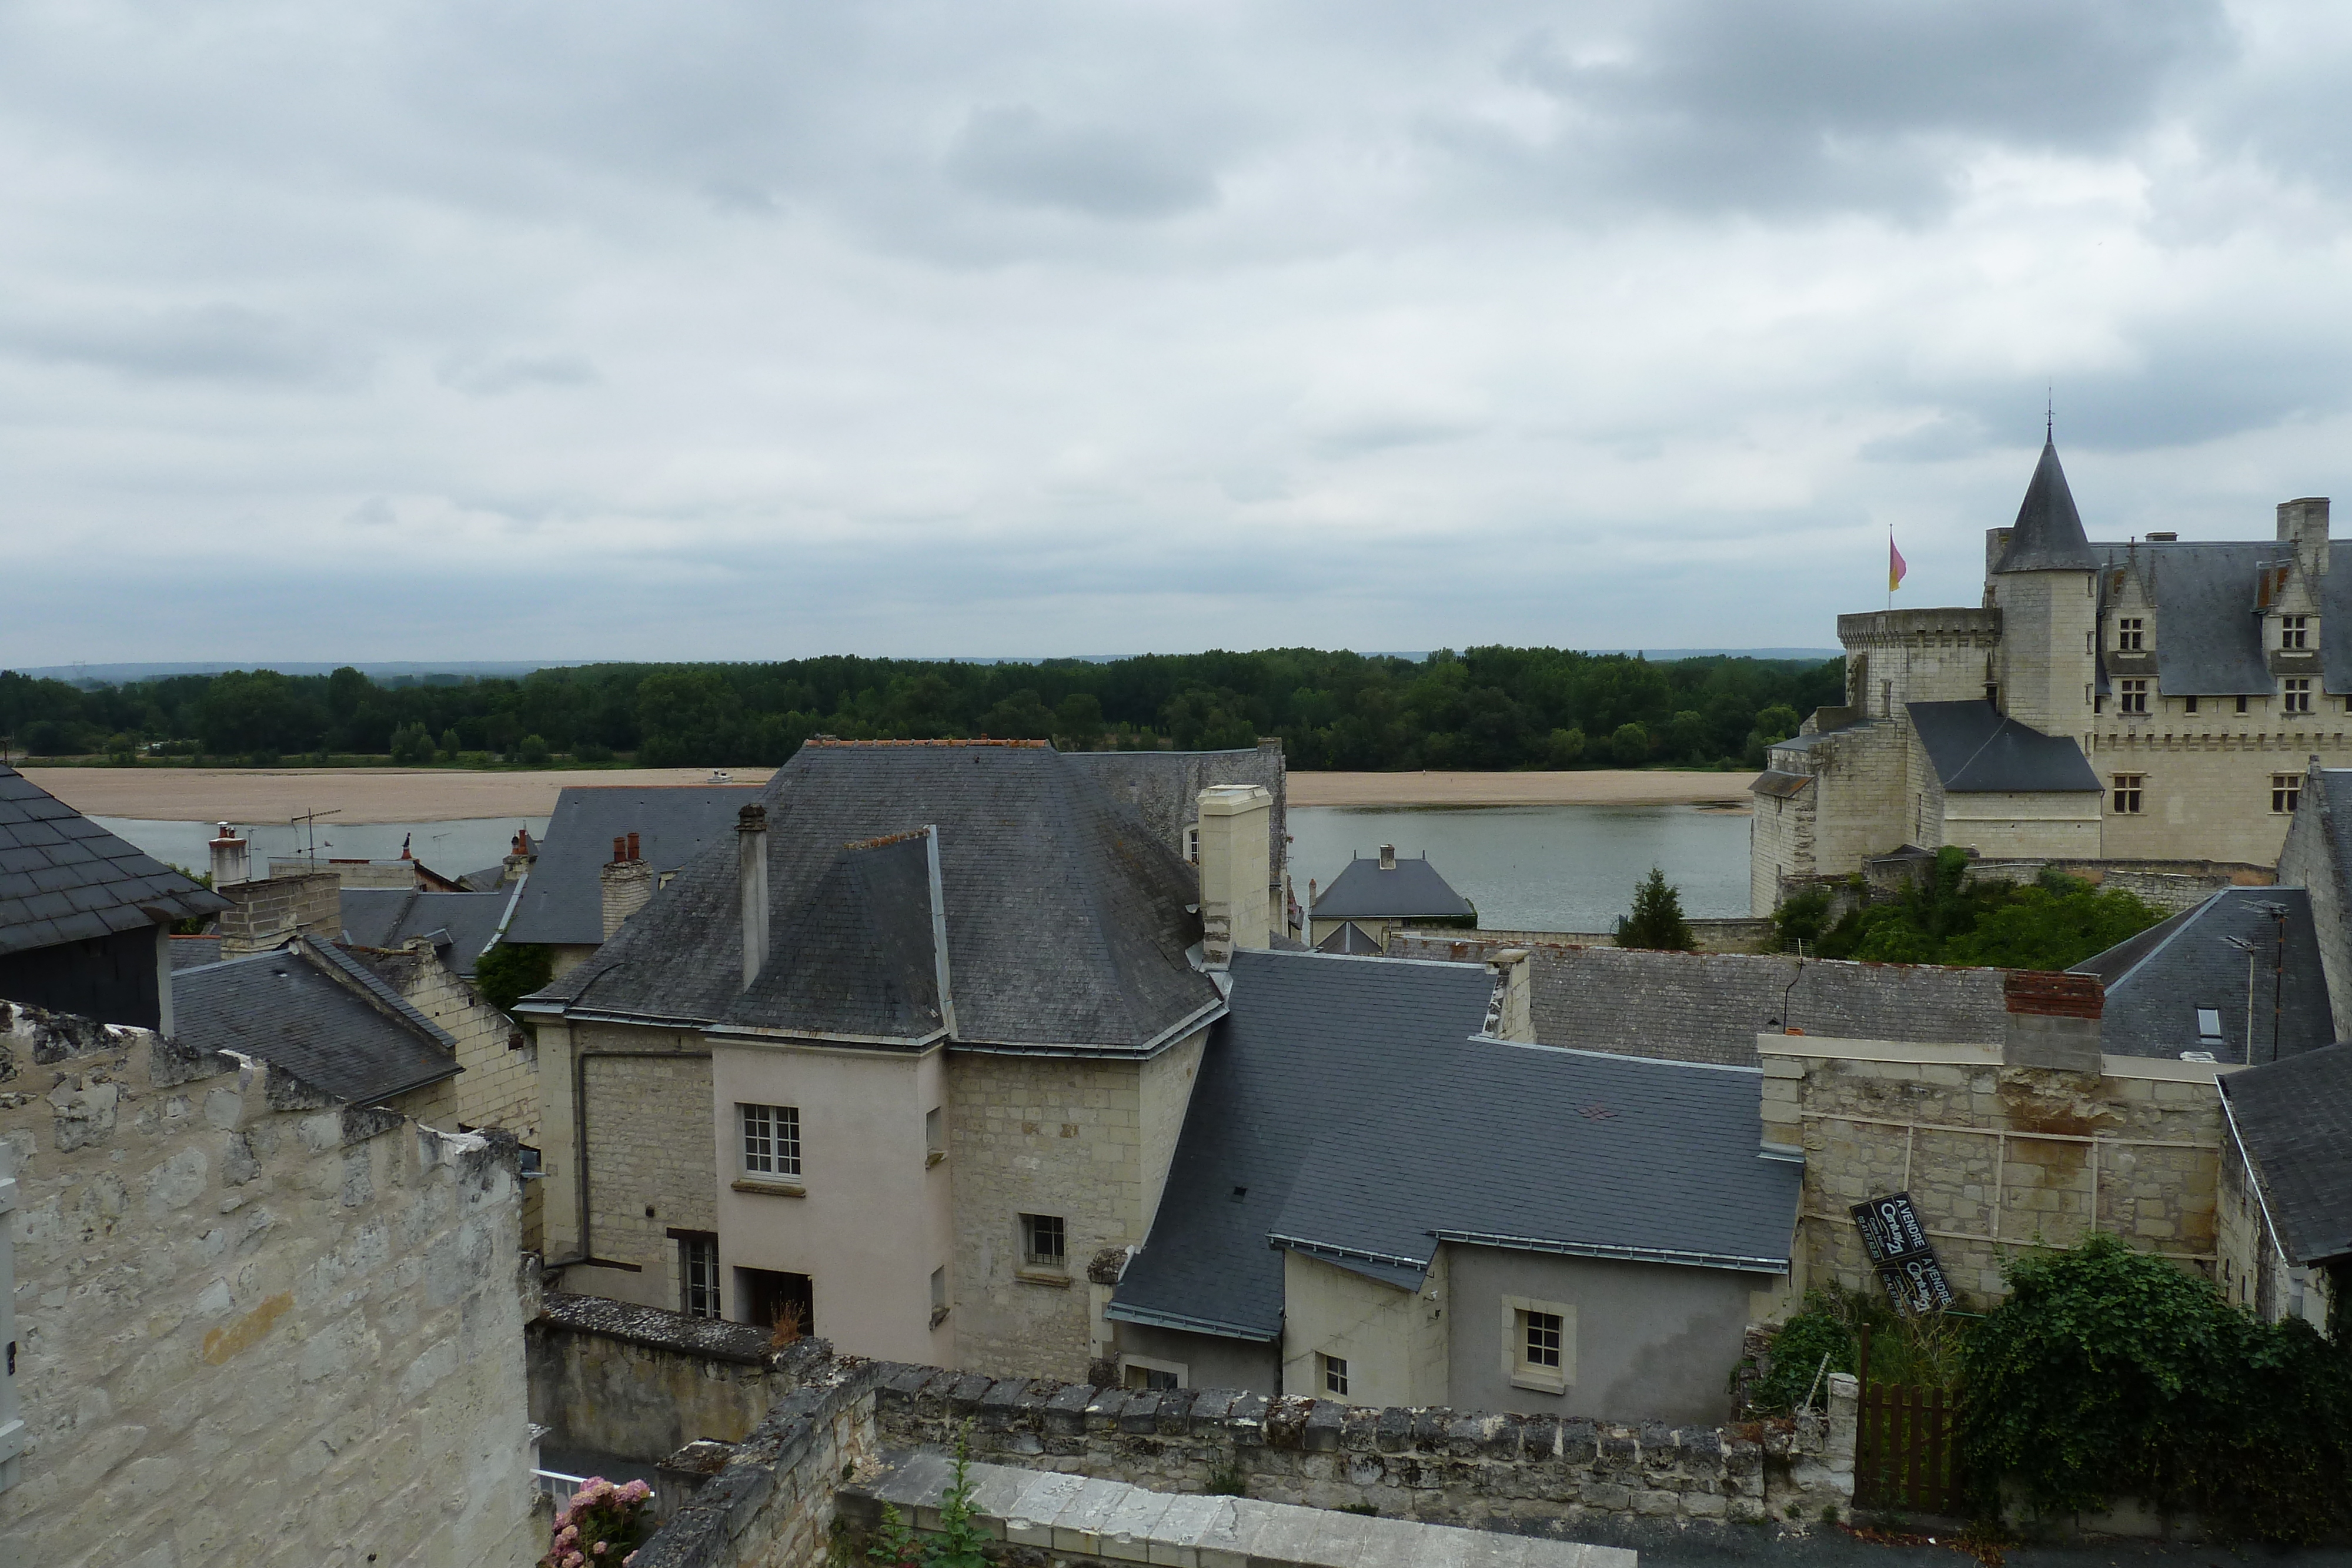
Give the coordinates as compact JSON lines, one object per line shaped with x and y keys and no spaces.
{"x":2054,"y":1021}
{"x":232,"y":857}
{"x":521,"y":855}
{"x":267,"y":914}
{"x":2304,"y":524}
{"x":752,"y":874}
{"x":1511,"y":1014}
{"x":628,"y":884}
{"x":1388,"y":857}
{"x":1996,"y":546}
{"x":1235,"y":870}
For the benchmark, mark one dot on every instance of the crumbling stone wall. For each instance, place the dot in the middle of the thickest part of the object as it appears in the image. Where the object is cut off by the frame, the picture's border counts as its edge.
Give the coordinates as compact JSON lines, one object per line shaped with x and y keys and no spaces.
{"x":264,"y":914}
{"x":255,"y":1324}
{"x":611,"y":1378}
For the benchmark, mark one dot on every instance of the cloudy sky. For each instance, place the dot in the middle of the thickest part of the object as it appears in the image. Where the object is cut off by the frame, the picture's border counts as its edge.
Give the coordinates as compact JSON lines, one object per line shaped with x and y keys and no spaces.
{"x":511,"y":330}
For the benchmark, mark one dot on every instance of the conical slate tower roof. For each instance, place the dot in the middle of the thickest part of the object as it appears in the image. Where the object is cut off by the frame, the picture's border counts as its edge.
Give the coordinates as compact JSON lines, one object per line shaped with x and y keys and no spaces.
{"x":2048,"y":535}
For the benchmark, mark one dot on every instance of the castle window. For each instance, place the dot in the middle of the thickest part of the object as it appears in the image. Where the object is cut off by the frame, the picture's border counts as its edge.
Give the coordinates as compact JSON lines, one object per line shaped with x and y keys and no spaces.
{"x":2298,"y":694}
{"x":2241,"y":705}
{"x":1043,"y":1241}
{"x":2294,"y":631}
{"x":2287,"y":792}
{"x":2188,"y":704}
{"x":2128,"y":793}
{"x":2134,"y":698}
{"x":2130,"y":633}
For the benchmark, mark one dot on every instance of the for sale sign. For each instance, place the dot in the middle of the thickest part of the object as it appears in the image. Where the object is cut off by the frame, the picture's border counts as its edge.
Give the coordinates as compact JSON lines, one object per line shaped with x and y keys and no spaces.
{"x":1898,"y":1246}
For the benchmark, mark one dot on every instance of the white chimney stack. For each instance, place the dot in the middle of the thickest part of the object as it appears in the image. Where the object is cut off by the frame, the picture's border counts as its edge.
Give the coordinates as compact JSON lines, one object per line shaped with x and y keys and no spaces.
{"x":232,"y":857}
{"x":1236,"y":860}
{"x":1388,"y":857}
{"x":751,"y":861}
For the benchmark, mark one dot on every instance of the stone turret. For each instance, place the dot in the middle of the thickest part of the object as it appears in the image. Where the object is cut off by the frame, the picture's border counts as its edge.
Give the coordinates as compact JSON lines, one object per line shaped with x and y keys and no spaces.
{"x":2044,"y":582}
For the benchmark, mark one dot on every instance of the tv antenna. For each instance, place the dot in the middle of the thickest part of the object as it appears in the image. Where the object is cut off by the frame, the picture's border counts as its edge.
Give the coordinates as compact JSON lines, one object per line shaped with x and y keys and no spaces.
{"x":308,"y":823}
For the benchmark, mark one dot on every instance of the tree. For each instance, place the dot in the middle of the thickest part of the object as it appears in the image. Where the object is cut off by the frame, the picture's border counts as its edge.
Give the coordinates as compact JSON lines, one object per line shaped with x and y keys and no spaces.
{"x":511,"y":971}
{"x":534,"y":751}
{"x":1630,"y":746}
{"x":1078,"y":722}
{"x":1565,"y":748}
{"x":1657,"y":920}
{"x":411,"y":746}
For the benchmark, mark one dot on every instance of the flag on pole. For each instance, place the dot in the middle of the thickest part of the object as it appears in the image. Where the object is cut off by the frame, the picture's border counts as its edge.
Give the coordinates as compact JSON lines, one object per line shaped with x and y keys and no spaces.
{"x":1894,"y":565}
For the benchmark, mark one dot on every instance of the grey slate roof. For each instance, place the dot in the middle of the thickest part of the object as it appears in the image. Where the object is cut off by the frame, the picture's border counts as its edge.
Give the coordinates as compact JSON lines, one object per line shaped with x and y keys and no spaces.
{"x":289,"y":1008}
{"x":2157,"y":980}
{"x":857,"y":958}
{"x":464,"y":922}
{"x":2048,"y":533}
{"x":1067,"y":921}
{"x":192,"y":951}
{"x":1164,"y":787}
{"x":562,"y":900}
{"x":2290,"y":1118}
{"x":1349,"y":938}
{"x":1348,"y":1103}
{"x":1710,"y":1006}
{"x":1411,"y":890}
{"x":2209,"y":641}
{"x":1977,"y":749}
{"x":63,"y":878}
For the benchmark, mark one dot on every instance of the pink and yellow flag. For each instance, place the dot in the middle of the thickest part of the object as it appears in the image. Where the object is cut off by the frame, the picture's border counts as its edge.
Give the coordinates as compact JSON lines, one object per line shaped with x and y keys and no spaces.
{"x":1894,"y":565}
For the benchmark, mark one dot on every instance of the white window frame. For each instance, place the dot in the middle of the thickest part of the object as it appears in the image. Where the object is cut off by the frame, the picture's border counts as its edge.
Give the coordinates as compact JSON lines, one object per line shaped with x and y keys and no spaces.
{"x":767,"y":1141}
{"x":1517,"y":1369}
{"x":1331,"y":1376}
{"x":2209,"y":1034}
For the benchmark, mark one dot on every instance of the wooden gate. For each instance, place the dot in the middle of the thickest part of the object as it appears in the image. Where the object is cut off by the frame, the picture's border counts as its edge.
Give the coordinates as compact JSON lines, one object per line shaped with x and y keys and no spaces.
{"x":1906,"y":1452}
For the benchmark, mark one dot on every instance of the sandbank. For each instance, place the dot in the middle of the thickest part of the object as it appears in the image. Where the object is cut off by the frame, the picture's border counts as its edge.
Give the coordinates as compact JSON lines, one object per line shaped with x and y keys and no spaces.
{"x":1595,"y":787}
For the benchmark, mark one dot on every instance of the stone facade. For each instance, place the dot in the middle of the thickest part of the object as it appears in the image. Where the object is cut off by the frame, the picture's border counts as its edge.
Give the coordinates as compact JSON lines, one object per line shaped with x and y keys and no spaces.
{"x":499,"y":1085}
{"x":610,"y":1378}
{"x":1996,"y":1155}
{"x":263,"y":914}
{"x":255,"y":1324}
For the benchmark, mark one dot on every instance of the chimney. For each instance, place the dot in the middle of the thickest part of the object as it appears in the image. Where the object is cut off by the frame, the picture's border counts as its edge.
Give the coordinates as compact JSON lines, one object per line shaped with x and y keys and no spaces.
{"x":752,"y":874}
{"x":1236,"y":858}
{"x":2304,"y":524}
{"x":2054,"y":1021}
{"x":1996,"y":545}
{"x":1388,"y":857}
{"x":628,"y":885}
{"x":1511,"y":1014}
{"x":232,"y":857}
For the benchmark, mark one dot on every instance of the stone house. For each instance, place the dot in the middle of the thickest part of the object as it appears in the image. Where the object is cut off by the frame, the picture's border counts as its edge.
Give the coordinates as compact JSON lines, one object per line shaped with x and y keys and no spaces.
{"x":904,"y":1057}
{"x":1387,"y":1194}
{"x":2285,"y":1228}
{"x":561,"y":906}
{"x":251,"y":1321}
{"x":1377,"y":894}
{"x":2147,"y":701}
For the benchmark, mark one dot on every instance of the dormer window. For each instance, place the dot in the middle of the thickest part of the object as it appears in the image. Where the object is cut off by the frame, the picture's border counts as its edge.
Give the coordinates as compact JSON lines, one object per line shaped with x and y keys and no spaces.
{"x":2294,"y":631}
{"x":2132,"y":697}
{"x":2298,"y":694}
{"x":2131,"y":633}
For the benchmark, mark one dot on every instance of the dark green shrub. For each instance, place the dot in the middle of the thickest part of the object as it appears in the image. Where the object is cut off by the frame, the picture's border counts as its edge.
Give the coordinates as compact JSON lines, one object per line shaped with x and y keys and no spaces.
{"x":511,"y":971}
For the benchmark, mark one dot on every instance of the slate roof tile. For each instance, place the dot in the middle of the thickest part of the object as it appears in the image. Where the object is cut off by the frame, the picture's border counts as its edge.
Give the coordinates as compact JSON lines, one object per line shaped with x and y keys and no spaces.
{"x":2157,"y":981}
{"x":284,"y":1007}
{"x":64,"y":878}
{"x":562,"y":900}
{"x":2290,"y":1117}
{"x":1410,"y":890}
{"x":1976,"y":748}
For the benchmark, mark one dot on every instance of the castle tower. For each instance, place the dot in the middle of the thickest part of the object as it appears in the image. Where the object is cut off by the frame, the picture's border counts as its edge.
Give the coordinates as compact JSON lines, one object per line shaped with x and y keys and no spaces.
{"x":2043,"y":579}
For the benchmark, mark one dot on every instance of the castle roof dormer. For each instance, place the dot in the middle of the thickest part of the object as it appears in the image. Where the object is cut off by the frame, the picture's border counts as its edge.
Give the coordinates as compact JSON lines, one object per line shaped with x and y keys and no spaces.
{"x":2048,"y":535}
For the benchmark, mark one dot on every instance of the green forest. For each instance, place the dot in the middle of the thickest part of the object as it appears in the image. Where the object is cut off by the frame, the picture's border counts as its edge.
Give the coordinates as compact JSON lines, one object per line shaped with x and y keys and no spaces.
{"x":1481,"y":708}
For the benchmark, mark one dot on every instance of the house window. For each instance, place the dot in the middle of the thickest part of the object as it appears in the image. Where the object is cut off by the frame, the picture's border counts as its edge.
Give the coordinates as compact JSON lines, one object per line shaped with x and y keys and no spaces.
{"x":2294,"y":631}
{"x":938,"y":1295}
{"x":2127,"y":792}
{"x":935,"y":1136}
{"x":2241,"y":705}
{"x":2134,"y":698}
{"x":2129,"y":634}
{"x":772,"y":1140}
{"x":1044,"y":1244}
{"x":2209,"y":1026}
{"x":1335,"y":1375}
{"x":2298,"y":694}
{"x":1538,"y":1345}
{"x":2188,"y":704}
{"x":2287,"y":791}
{"x":1193,"y":843}
{"x":1138,"y":1374}
{"x":698,"y":1275}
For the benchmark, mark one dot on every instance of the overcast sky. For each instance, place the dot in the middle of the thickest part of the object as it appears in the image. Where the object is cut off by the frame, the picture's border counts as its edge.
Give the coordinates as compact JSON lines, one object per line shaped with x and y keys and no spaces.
{"x":507,"y":328}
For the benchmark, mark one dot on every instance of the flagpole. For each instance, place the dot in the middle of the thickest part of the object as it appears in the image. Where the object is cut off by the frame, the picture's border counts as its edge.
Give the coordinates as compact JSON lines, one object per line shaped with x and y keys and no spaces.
{"x":1890,"y":568}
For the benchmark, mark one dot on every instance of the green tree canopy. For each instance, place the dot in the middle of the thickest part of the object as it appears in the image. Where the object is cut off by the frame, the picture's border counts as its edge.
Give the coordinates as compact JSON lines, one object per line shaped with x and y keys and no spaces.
{"x":1656,"y":920}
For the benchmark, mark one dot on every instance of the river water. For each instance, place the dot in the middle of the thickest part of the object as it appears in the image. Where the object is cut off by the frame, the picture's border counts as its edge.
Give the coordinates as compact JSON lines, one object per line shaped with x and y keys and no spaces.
{"x":1527,"y":868}
{"x":1541,"y":868}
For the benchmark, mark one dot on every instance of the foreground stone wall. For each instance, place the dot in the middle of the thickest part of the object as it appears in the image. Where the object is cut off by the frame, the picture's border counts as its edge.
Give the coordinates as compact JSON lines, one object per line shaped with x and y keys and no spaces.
{"x":639,"y":1383}
{"x":254,"y":1324}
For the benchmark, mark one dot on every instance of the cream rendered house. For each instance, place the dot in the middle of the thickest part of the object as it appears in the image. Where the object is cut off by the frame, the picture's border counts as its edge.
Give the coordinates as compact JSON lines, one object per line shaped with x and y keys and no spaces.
{"x":2149,"y":700}
{"x":902,"y":1062}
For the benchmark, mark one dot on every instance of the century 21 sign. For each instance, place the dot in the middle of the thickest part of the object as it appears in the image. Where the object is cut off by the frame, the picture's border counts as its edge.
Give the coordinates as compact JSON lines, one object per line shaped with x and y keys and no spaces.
{"x":1900,"y":1250}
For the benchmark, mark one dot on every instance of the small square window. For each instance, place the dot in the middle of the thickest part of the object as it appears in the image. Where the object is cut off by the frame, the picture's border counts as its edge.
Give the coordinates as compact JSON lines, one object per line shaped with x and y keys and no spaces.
{"x":2128,"y":793}
{"x":1335,"y":1375}
{"x":2294,"y":631}
{"x":1538,"y":1345}
{"x":2209,"y":1026}
{"x":2287,"y":791}
{"x":1044,"y":1244}
{"x":2130,"y":634}
{"x":1542,"y":1334}
{"x":772,"y":1140}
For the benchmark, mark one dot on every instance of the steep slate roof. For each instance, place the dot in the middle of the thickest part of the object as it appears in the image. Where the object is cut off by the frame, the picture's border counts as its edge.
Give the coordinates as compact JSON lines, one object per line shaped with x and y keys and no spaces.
{"x":1349,"y":938}
{"x":1346,"y":1102}
{"x":563,"y":900}
{"x":2157,"y":980}
{"x":290,"y":1009}
{"x":467,"y":923}
{"x":1977,"y":749}
{"x":1164,"y":787}
{"x":1410,"y":890}
{"x":2209,"y":641}
{"x":2048,"y":533}
{"x":1067,"y":921}
{"x":2290,"y":1118}
{"x":63,"y":878}
{"x":858,"y":957}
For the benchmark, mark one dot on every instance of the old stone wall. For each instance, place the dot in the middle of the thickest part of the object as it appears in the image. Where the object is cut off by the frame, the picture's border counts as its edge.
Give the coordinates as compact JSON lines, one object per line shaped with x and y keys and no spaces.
{"x":1996,"y":1157}
{"x":255,"y":1324}
{"x":1743,"y":934}
{"x":641,"y":1383}
{"x":2169,"y":885}
{"x":2205,"y":776}
{"x":261,"y":915}
{"x":499,"y":1085}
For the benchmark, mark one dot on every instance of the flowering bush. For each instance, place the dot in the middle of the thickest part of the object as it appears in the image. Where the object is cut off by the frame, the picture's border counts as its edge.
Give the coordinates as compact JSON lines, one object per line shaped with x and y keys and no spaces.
{"x":603,"y":1524}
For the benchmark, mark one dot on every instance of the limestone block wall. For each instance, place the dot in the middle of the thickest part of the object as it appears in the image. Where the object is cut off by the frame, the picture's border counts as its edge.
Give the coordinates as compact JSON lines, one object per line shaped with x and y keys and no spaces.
{"x":1781,"y":844}
{"x":642,"y":1134}
{"x":255,"y":1324}
{"x":1996,"y":1158}
{"x":499,"y":1085}
{"x":2010,"y":825}
{"x":1894,"y":656}
{"x":2307,"y":860}
{"x":613,"y":1378}
{"x":263,"y":913}
{"x":2208,"y":780}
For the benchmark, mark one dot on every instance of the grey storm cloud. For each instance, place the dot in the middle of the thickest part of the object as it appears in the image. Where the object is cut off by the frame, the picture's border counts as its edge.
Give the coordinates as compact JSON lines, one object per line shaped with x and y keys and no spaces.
{"x":738,"y":330}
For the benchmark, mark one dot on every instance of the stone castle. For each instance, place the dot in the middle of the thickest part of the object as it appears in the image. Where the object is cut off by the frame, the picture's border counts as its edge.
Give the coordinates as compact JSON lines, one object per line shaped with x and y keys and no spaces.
{"x":2148,"y":701}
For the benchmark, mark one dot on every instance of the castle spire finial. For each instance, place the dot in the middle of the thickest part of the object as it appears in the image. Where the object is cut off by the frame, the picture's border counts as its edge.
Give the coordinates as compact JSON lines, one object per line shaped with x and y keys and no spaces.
{"x":2049,"y":415}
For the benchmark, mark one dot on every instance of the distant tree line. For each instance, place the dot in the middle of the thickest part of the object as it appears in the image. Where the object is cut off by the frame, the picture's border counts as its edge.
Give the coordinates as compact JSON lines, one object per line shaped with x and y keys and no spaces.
{"x":1482,"y":708}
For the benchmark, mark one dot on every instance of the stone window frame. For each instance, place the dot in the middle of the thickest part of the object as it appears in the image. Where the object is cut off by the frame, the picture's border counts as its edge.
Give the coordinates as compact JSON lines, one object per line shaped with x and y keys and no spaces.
{"x":935,"y":1135}
{"x":2125,"y":798}
{"x":2296,"y":693}
{"x":940,"y":1301}
{"x":2131,"y":635}
{"x":1148,"y":1365}
{"x":1518,"y":1369}
{"x":2131,"y":697}
{"x":1036,"y":1259}
{"x":2295,"y":631}
{"x":2286,"y":793}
